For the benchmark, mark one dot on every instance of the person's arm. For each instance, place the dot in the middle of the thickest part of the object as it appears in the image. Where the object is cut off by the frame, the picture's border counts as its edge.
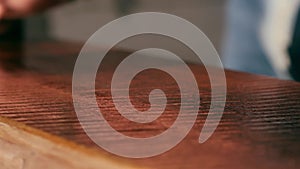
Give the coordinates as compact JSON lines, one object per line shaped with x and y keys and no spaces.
{"x":11,"y":9}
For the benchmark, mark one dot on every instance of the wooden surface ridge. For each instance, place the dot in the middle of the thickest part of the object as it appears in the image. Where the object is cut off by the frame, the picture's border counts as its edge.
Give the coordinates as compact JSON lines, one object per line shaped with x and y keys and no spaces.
{"x":260,"y":127}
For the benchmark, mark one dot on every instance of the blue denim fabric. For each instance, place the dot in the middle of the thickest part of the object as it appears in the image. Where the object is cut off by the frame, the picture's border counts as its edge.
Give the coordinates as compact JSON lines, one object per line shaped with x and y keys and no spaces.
{"x":242,"y":48}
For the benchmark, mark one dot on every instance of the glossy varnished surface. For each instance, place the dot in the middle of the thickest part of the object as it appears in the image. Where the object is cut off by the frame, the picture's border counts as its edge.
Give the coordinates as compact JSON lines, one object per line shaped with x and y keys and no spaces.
{"x":260,"y":127}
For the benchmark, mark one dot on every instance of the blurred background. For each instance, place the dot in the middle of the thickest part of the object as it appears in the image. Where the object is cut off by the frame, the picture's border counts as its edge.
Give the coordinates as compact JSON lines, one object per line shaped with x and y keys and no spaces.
{"x":78,"y":20}
{"x":254,"y":36}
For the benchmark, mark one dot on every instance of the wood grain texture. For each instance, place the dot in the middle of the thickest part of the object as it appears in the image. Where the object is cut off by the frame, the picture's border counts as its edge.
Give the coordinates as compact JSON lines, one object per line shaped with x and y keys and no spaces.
{"x":260,"y":127}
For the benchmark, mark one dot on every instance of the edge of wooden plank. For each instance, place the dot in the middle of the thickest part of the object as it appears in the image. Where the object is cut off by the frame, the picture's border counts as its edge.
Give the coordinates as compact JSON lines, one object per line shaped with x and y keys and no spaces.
{"x":24,"y":147}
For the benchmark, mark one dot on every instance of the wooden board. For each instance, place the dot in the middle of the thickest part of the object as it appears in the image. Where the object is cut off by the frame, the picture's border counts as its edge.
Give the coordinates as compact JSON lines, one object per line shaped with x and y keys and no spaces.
{"x":260,"y":127}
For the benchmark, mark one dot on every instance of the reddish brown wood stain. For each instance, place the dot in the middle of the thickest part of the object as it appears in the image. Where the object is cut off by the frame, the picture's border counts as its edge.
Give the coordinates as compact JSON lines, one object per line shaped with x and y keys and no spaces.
{"x":260,"y":127}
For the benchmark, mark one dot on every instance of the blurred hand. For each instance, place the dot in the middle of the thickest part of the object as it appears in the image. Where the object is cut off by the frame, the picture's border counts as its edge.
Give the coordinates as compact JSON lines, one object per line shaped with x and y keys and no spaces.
{"x":12,"y":9}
